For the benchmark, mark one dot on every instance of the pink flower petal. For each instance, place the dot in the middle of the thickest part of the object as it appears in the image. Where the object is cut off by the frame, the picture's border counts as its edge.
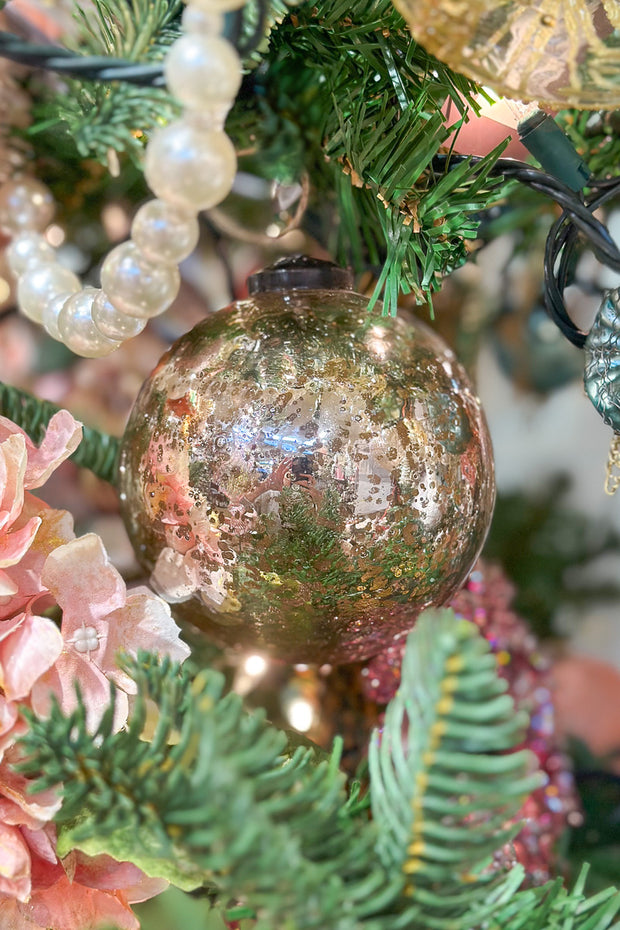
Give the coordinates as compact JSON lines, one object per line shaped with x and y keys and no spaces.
{"x":11,"y":726}
{"x":145,"y":622}
{"x":62,"y":438}
{"x":8,"y":715}
{"x":31,"y":649}
{"x":56,"y":529}
{"x":32,"y":810}
{"x":42,"y":842}
{"x":84,"y":582}
{"x":15,"y":915}
{"x":13,"y":463}
{"x":67,"y":906}
{"x":8,"y":588}
{"x":60,"y":680}
{"x":13,"y":546}
{"x":14,"y":863}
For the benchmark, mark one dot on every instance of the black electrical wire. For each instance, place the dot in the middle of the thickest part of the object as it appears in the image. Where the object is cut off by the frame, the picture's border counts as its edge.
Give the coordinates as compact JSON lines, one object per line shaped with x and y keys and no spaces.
{"x":245,"y":29}
{"x":85,"y":67}
{"x":577,"y":219}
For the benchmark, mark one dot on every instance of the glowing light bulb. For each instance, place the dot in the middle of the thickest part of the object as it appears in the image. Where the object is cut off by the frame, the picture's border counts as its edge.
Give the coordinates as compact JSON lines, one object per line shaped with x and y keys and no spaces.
{"x":255,"y":665}
{"x":300,"y":714}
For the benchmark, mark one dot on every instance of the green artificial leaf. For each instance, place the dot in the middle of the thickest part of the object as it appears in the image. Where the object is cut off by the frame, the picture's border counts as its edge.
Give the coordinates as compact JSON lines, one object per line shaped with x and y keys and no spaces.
{"x":136,"y":843}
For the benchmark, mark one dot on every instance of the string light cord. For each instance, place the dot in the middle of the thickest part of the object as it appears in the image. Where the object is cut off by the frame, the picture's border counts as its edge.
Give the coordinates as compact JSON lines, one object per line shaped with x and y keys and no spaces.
{"x":243,"y":33}
{"x":86,"y":67}
{"x":578,"y":217}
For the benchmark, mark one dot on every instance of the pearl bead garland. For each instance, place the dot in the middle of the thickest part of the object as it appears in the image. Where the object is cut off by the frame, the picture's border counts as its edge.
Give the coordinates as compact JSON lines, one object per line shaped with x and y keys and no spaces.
{"x":190,"y":166}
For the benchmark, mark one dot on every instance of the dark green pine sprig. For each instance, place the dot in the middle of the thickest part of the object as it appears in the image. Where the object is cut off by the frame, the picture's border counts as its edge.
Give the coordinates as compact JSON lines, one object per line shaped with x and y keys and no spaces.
{"x":110,"y":116}
{"x":336,"y":91}
{"x":344,"y":94}
{"x":200,"y":791}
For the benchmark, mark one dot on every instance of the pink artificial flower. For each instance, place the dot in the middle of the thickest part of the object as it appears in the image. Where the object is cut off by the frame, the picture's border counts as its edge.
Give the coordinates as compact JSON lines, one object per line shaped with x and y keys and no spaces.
{"x":29,"y":529}
{"x":99,"y":620}
{"x":62,"y":437}
{"x":42,"y":562}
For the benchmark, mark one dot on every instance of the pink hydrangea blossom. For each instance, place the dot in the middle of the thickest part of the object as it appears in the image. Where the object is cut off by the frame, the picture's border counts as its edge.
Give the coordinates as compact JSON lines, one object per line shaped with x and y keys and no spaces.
{"x":41,"y":563}
{"x":29,"y":529}
{"x":99,"y":619}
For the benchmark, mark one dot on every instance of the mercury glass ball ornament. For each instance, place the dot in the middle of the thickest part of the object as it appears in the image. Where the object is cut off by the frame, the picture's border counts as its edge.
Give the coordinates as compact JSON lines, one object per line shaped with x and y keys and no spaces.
{"x":556,"y":52}
{"x":302,"y":476}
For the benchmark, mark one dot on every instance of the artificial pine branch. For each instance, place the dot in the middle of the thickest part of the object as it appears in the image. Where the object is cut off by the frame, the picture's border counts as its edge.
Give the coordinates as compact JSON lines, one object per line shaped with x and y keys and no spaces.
{"x":199,"y":790}
{"x":104,"y":116}
{"x":344,"y":89}
{"x":443,"y":797}
{"x":214,"y":797}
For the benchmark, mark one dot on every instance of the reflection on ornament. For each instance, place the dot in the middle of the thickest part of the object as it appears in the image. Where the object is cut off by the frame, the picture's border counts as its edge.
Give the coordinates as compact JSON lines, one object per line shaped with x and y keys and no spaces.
{"x":301,"y":476}
{"x":559,"y":52}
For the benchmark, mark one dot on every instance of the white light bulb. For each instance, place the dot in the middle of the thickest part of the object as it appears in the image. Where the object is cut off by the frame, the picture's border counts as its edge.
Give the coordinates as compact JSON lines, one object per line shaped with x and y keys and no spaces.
{"x":300,"y":715}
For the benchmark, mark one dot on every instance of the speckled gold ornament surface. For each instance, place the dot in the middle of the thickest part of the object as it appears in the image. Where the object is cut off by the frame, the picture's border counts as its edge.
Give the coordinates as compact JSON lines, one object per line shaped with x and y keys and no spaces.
{"x":302,"y":476}
{"x":557,"y":52}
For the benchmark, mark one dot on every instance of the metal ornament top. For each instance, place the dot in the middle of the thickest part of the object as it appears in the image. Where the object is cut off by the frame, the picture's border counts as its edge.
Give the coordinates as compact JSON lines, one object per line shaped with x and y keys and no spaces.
{"x":300,"y":272}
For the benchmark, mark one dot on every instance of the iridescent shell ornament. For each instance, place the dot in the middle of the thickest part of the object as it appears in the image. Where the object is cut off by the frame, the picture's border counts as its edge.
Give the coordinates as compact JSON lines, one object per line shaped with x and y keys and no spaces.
{"x":302,"y":476}
{"x":602,"y":352}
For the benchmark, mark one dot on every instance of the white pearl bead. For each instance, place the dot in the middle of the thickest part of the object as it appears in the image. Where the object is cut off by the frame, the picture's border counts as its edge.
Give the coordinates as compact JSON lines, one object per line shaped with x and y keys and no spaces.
{"x":164,"y":233}
{"x":50,"y":315}
{"x":27,"y":250}
{"x":135,"y":285}
{"x":202,"y":22}
{"x":76,"y":327}
{"x":217,"y":6}
{"x":111,"y":322}
{"x":191,"y":167}
{"x":202,"y":69}
{"x":41,"y":284}
{"x":25,"y":203}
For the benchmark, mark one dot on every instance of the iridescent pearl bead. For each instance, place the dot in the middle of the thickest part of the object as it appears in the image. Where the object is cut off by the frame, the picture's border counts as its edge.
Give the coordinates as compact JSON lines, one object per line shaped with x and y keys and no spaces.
{"x":191,"y":167}
{"x":25,"y":203}
{"x":41,"y":284}
{"x":77,"y":330}
{"x":50,"y":315}
{"x":111,"y":322}
{"x":202,"y":22}
{"x":164,"y":233}
{"x":202,"y":69}
{"x":27,"y":250}
{"x":217,"y":6}
{"x":135,"y":285}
